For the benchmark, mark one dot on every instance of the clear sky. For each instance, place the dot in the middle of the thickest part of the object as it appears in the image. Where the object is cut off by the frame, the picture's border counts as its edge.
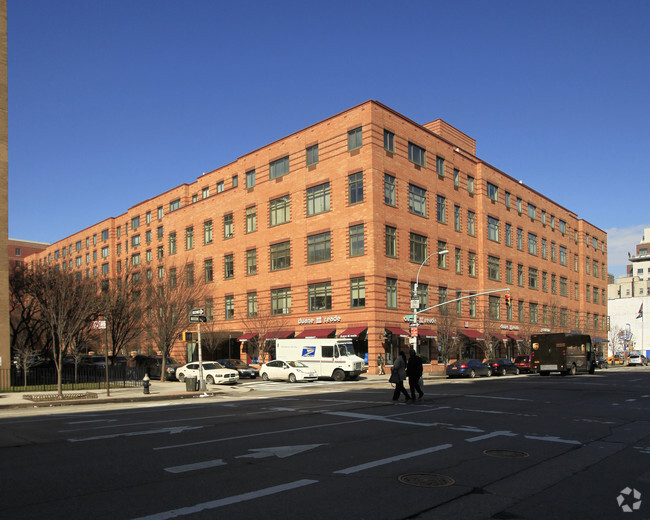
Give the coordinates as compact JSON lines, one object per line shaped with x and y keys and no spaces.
{"x":112,"y":102}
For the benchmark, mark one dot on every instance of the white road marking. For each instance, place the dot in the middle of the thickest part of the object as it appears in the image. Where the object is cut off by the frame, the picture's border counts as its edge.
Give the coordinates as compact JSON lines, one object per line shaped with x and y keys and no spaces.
{"x":282,"y":452}
{"x":214,"y":504}
{"x":550,"y":438}
{"x":164,"y":421}
{"x":381,"y":462}
{"x":504,"y":433}
{"x":495,"y":397}
{"x":197,"y":465}
{"x":172,"y":431}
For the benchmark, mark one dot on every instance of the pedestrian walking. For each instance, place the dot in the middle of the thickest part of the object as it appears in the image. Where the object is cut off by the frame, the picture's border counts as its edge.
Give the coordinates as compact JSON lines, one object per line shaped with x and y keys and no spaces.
{"x":414,"y":372}
{"x":398,"y":376}
{"x":380,"y":364}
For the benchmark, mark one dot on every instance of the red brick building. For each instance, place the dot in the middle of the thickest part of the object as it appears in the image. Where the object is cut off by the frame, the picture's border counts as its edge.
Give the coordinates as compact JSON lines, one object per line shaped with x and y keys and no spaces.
{"x":328,"y":227}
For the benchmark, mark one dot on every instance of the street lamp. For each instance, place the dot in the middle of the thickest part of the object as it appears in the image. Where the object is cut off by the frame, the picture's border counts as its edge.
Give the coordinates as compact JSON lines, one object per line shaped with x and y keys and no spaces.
{"x":415,"y":301}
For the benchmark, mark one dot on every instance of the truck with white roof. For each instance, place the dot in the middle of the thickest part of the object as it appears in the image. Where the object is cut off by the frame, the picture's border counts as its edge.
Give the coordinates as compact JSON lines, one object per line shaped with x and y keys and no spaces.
{"x":329,"y":357}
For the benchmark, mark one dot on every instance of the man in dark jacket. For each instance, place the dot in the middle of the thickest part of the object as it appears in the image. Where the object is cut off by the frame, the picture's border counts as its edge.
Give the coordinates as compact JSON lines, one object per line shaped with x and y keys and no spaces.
{"x":414,"y":373}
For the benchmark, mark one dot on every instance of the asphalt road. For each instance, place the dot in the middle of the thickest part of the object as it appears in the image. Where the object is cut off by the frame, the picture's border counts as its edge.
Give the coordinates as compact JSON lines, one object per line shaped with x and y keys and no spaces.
{"x":504,"y":448}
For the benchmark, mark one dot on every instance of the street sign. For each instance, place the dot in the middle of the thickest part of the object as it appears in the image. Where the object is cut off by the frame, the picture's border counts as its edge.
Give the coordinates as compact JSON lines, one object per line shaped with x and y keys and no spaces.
{"x":198,"y":319}
{"x":197,"y":312}
{"x":100,"y":324}
{"x":415,"y":303}
{"x":409,"y":317}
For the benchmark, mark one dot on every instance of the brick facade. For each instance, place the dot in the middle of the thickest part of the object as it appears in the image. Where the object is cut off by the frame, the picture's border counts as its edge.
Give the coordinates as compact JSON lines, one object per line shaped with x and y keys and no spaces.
{"x":431,"y":205}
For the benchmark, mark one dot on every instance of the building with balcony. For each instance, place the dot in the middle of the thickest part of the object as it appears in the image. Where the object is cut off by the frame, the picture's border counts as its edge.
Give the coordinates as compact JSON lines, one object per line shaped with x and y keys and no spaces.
{"x":328,"y":228}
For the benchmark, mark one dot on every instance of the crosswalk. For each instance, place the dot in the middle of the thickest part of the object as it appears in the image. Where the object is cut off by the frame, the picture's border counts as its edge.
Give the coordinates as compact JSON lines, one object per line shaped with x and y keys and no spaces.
{"x":285,"y":386}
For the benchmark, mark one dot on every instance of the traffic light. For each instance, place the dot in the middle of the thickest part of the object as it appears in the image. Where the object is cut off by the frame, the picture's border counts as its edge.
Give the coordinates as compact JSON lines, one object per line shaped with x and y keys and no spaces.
{"x":188,"y":337}
{"x":508,"y":301}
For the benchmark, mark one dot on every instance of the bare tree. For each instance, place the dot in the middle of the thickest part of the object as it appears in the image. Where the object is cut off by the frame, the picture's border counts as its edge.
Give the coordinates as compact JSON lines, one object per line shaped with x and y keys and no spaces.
{"x":447,"y":330}
{"x":67,"y":303}
{"x":122,"y":305}
{"x":169,"y":302}
{"x":526,"y":330}
{"x":491,"y":333}
{"x":262,"y":325}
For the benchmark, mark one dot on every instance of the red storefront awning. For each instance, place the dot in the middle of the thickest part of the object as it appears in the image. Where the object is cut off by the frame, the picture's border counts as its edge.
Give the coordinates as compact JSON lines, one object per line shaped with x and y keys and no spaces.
{"x":316,"y":333}
{"x":353,"y":332}
{"x":278,"y":334}
{"x":471,"y":333}
{"x":426,"y":333}
{"x":396,"y":331}
{"x":247,"y":337}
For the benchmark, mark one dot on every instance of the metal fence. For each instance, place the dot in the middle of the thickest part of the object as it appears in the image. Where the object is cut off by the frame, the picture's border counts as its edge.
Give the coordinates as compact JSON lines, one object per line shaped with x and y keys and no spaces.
{"x":44,"y":378}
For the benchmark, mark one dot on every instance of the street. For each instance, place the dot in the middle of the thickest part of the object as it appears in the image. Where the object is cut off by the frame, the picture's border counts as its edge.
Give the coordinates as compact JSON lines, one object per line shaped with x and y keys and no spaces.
{"x":501,"y":447}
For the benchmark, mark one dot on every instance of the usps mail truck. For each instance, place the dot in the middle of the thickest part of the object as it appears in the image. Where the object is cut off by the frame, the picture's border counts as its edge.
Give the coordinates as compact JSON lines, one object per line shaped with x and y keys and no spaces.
{"x":330,"y":357}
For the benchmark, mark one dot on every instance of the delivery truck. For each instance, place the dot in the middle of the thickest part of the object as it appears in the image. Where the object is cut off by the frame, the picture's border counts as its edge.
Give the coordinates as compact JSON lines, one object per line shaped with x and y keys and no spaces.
{"x":329,"y":357}
{"x":560,"y":352}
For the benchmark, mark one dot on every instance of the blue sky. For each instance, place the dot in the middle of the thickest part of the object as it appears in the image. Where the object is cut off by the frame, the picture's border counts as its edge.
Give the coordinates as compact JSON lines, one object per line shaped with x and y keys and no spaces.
{"x":113,"y":102}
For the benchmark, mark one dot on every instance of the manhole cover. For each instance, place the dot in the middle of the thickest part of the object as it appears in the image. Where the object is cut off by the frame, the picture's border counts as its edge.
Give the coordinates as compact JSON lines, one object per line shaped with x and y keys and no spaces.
{"x":430,"y":480}
{"x":506,"y":454}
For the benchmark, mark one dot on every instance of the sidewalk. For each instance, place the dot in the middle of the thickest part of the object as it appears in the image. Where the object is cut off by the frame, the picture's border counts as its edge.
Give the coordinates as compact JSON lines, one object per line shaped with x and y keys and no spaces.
{"x":157,"y":392}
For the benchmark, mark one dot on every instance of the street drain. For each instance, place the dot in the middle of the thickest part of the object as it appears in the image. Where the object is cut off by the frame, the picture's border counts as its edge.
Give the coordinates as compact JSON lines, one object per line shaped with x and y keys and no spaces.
{"x":429,"y":480}
{"x":506,"y":454}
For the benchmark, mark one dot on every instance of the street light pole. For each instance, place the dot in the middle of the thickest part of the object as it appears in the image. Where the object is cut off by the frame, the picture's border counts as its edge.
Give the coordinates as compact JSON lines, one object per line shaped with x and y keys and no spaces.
{"x":415,"y":301}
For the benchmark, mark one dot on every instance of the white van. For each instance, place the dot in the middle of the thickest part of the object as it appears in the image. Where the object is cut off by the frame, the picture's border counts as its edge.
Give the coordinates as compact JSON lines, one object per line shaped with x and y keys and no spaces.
{"x":330,"y":357}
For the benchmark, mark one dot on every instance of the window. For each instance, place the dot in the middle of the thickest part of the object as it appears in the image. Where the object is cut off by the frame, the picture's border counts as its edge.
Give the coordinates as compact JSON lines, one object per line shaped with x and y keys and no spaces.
{"x":208,"y":273}
{"x":279,"y":168}
{"x":235,"y":181}
{"x":532,"y":278}
{"x":471,"y":264}
{"x":147,"y":235}
{"x":159,"y":212}
{"x":562,"y":228}
{"x":553,"y":284}
{"x":135,"y":259}
{"x":418,"y":248}
{"x":280,"y":256}
{"x":312,"y":155}
{"x":494,"y":307}
{"x":320,"y":296}
{"x":442,"y":258}
{"x":391,"y":293}
{"x":251,"y":305}
{"x":228,"y":226}
{"x":552,"y":221}
{"x":205,"y":193}
{"x":251,"y":262}
{"x":544,"y":281}
{"x":471,"y":223}
{"x":319,"y":248}
{"x":105,"y":269}
{"x":251,"y":219}
{"x":279,"y":211}
{"x":417,"y":155}
{"x":250,"y":179}
{"x":228,"y":266}
{"x":520,"y":275}
{"x":506,"y":199}
{"x":104,"y":235}
{"x":160,"y":252}
{"x":532,"y":211}
{"x":355,"y":188}
{"x":389,"y":190}
{"x":532,"y":244}
{"x":508,"y":234}
{"x":357,"y":292}
{"x":354,"y":139}
{"x":318,"y":199}
{"x":470,"y":185}
{"x":440,"y":209}
{"x":563,"y":286}
{"x":440,"y":166}
{"x":532,"y":313}
{"x":159,"y":232}
{"x":149,"y":256}
{"x":422,"y":294}
{"x":105,"y":252}
{"x":417,"y":200}
{"x":456,"y":218}
{"x":357,"y":246}
{"x":189,"y":274}
{"x":472,"y":307}
{"x":207,"y":232}
{"x":494,"y":268}
{"x":552,"y":251}
{"x":172,"y":243}
{"x":442,"y":298}
{"x":135,"y":223}
{"x":508,"y":271}
{"x":174,"y":205}
{"x":135,"y":240}
{"x":493,"y":229}
{"x":520,"y":311}
{"x":229,"y":307}
{"x":519,"y":205}
{"x":389,"y":141}
{"x":281,"y":301}
{"x":458,"y":261}
{"x":189,"y":238}
{"x":492,"y":192}
{"x":563,"y":260}
{"x":543,"y":219}
{"x":391,"y":241}
{"x":544,"y":249}
{"x":520,"y":239}
{"x":456,"y":177}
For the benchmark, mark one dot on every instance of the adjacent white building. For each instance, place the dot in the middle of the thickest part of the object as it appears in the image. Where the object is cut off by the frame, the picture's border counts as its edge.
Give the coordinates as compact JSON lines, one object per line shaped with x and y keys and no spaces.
{"x":629,"y":303}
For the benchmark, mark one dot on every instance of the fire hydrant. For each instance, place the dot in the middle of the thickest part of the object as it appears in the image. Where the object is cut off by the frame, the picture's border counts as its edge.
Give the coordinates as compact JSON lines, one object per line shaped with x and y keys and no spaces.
{"x":146,"y":384}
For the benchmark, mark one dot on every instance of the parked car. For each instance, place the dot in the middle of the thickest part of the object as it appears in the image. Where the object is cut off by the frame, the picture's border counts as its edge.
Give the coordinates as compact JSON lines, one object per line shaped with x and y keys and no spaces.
{"x":153,"y":366}
{"x":637,"y":359}
{"x":244,"y":369}
{"x":523,"y":363}
{"x":213,"y":372}
{"x":503,"y":366}
{"x":291,"y":371}
{"x":601,"y":362}
{"x":468,"y":368}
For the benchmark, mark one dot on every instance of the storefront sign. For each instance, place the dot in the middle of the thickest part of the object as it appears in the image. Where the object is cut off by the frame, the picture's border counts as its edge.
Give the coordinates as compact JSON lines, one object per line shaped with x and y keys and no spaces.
{"x":319,"y":319}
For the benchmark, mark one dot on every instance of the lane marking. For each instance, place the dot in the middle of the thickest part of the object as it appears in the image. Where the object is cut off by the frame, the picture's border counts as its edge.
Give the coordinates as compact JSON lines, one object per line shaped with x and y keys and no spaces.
{"x":142,"y":423}
{"x":198,"y":465}
{"x":214,"y":504}
{"x":496,"y":397}
{"x":550,"y":438}
{"x":381,"y":462}
{"x":172,"y":431}
{"x":504,"y":433}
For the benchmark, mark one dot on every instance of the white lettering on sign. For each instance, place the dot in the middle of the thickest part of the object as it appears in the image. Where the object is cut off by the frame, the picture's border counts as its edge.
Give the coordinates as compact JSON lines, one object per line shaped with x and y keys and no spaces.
{"x":319,"y":319}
